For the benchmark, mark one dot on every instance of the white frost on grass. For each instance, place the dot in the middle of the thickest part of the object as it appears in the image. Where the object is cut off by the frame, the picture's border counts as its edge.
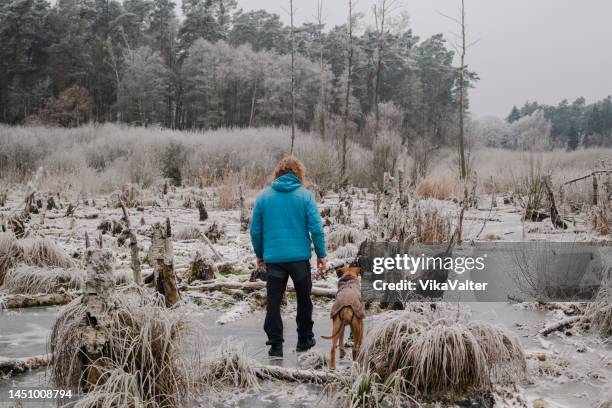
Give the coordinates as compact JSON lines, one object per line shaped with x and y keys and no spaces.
{"x":34,"y":280}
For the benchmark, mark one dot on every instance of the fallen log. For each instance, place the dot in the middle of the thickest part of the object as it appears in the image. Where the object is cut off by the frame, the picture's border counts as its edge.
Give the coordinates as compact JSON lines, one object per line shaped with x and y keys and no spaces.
{"x":11,"y":367}
{"x":42,"y":300}
{"x":257,"y":285}
{"x":269,"y":372}
{"x":560,"y":325}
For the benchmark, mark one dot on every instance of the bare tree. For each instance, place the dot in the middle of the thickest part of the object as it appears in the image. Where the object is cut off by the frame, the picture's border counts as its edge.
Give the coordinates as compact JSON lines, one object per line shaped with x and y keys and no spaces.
{"x":347,"y":97}
{"x":462,"y":95}
{"x":382,"y":9}
{"x":322,"y":100}
{"x":291,"y":12}
{"x":461,"y":48}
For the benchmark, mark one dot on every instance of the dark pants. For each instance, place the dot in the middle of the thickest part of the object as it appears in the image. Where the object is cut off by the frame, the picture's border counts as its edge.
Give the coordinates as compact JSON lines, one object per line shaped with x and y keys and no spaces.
{"x":278,"y":275}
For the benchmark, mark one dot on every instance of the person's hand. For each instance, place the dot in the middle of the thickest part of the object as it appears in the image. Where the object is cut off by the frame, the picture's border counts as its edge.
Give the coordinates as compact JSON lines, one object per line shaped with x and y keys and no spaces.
{"x":321,"y":264}
{"x":261,"y":263}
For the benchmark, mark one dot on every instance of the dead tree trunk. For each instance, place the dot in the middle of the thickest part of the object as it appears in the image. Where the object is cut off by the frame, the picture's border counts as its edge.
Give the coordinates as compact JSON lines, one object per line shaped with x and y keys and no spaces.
{"x":385,"y":203}
{"x":322,"y":97}
{"x":401,"y":189}
{"x":462,"y":166}
{"x":381,"y":12}
{"x":128,"y":234}
{"x":556,"y":219}
{"x":464,"y":205}
{"x":595,"y":190}
{"x":245,"y":220}
{"x":51,"y":203}
{"x":253,"y":95}
{"x":292,"y":36}
{"x":347,"y":95}
{"x":99,"y":285}
{"x":18,"y":221}
{"x":202,"y":210}
{"x":161,"y":253}
{"x":473,"y":197}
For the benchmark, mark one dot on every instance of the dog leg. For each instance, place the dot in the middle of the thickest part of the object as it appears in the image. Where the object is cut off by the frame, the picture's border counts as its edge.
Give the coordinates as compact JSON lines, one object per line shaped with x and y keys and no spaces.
{"x":357,"y":328}
{"x":332,"y":354}
{"x":341,"y":341}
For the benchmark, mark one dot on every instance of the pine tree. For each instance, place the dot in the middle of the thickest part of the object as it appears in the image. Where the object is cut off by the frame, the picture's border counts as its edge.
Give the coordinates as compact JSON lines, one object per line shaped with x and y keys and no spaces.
{"x":514,"y":115}
{"x":573,"y":138}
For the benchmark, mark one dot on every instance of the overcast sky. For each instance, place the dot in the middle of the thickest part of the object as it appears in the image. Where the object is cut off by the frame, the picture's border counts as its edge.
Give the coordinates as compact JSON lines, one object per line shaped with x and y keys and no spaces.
{"x":543,"y":50}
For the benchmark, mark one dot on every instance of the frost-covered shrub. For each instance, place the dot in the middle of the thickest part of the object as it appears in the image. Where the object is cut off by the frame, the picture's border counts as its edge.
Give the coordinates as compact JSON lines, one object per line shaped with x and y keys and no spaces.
{"x":343,"y":235}
{"x":441,"y":357}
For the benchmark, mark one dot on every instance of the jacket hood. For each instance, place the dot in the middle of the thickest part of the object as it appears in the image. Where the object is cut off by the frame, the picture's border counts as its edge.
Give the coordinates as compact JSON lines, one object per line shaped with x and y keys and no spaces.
{"x":287,"y":182}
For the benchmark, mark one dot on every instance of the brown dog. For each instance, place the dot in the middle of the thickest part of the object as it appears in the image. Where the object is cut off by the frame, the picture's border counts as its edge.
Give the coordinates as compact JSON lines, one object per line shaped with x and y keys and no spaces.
{"x":348,"y":310}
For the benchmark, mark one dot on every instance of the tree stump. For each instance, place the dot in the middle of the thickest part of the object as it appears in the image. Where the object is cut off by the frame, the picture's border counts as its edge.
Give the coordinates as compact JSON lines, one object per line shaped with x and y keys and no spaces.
{"x":99,"y":285}
{"x":162,"y":256}
{"x":18,"y":226}
{"x":128,"y":235}
{"x":201,"y":268}
{"x":245,"y":219}
{"x":556,"y":219}
{"x":214,"y":232}
{"x":202,"y":210}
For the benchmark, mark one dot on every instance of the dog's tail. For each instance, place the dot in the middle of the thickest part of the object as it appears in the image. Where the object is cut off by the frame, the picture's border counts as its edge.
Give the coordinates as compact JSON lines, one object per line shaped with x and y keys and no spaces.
{"x":344,"y":320}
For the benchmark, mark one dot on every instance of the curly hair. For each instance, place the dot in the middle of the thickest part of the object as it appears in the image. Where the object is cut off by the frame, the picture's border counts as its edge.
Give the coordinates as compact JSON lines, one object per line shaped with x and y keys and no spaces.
{"x":290,"y":164}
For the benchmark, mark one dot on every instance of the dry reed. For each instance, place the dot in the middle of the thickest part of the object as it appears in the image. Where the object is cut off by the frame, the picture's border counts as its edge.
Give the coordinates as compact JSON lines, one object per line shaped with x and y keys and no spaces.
{"x":443,"y":357}
{"x":433,"y":225}
{"x":11,"y":254}
{"x":440,"y":188}
{"x":187,"y":232}
{"x":364,"y":388}
{"x":31,"y":251}
{"x":343,"y":235}
{"x":34,"y":280}
{"x":599,"y":312}
{"x":601,"y":219}
{"x":230,"y":366}
{"x":146,"y":359}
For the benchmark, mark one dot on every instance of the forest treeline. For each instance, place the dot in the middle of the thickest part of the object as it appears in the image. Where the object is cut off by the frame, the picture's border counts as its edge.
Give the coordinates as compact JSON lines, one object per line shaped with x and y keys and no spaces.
{"x":534,"y":125}
{"x":136,"y":62}
{"x":573,"y":124}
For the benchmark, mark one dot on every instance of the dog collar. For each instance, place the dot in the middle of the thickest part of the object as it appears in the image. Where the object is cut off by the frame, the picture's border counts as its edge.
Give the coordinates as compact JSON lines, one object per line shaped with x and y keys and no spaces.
{"x":346,"y":278}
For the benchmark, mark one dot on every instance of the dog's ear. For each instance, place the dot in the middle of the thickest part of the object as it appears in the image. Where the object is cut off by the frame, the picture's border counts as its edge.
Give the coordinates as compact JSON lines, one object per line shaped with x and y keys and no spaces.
{"x":340,"y":271}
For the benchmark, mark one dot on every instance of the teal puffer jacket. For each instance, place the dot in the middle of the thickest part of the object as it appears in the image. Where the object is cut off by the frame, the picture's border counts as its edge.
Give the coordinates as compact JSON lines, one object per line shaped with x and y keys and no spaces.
{"x":286,"y":222}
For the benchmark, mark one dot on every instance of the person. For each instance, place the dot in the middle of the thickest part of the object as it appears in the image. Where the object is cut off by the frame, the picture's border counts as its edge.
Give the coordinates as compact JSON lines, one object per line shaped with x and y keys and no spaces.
{"x":284,"y":224}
